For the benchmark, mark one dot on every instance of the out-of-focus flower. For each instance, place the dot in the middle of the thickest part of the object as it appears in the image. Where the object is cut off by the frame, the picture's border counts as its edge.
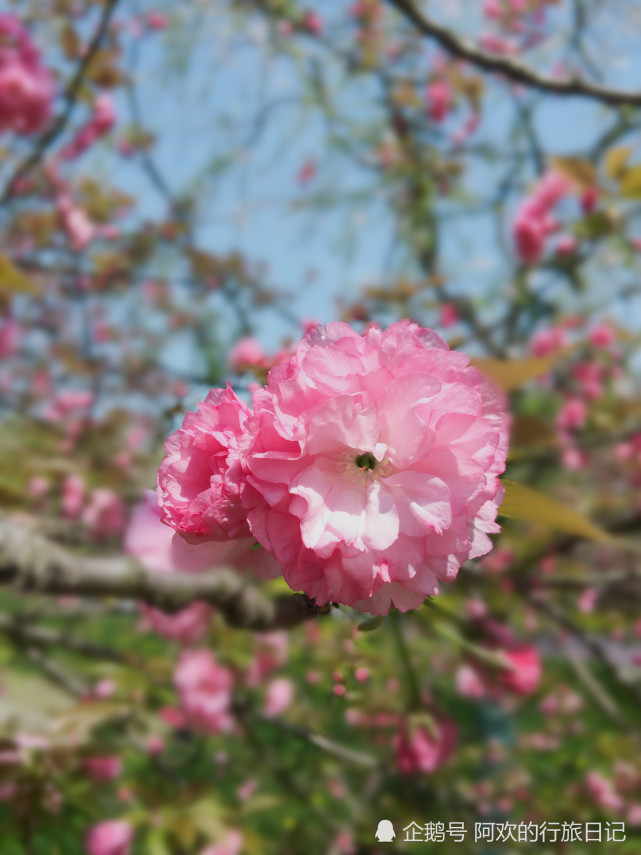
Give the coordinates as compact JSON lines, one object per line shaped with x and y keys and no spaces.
{"x":419,"y":749}
{"x":102,"y":769}
{"x":279,"y":696}
{"x":205,"y":689}
{"x":110,"y":837}
{"x":524,"y":674}
{"x":439,"y":100}
{"x":533,"y":221}
{"x":247,"y":353}
{"x":26,"y":87}
{"x":572,"y":415}
{"x":104,"y":513}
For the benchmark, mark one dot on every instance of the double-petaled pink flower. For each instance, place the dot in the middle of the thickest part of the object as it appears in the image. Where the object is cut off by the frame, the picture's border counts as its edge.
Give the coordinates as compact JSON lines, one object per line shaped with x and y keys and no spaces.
{"x":368,"y":468}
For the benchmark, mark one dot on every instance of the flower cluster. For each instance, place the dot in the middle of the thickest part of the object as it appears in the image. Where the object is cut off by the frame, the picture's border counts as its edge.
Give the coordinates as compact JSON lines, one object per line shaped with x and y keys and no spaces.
{"x":534,"y":220}
{"x":26,"y":87}
{"x":368,"y":467}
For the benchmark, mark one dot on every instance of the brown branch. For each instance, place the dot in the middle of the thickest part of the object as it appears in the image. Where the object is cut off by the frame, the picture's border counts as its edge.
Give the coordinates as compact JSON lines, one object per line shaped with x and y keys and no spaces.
{"x":71,"y":93}
{"x":31,"y":563}
{"x":509,"y":67}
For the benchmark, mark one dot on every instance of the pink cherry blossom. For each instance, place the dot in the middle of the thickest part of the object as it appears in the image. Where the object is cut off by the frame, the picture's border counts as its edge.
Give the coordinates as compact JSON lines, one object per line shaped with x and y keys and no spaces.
{"x":602,"y":335}
{"x":371,"y":465}
{"x":533,"y":220}
{"x":572,"y":415}
{"x":419,"y":749}
{"x":26,"y":87}
{"x":529,"y":236}
{"x":566,"y":245}
{"x":439,"y":100}
{"x":271,"y":653}
{"x":231,"y":845}
{"x":150,"y":542}
{"x":589,"y":199}
{"x":603,"y":793}
{"x":247,"y":353}
{"x":9,"y":337}
{"x":205,"y":689}
{"x":279,"y":696}
{"x":469,"y":682}
{"x":110,"y":837}
{"x":448,"y":316}
{"x":79,"y":228}
{"x":156,"y":20}
{"x":313,"y":23}
{"x":100,"y":123}
{"x":104,"y":513}
{"x":73,"y":495}
{"x":525,"y":671}
{"x":102,"y":769}
{"x":200,"y":477}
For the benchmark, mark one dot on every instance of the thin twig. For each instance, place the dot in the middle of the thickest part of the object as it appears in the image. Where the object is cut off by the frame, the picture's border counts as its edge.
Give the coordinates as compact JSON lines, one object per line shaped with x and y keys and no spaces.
{"x":511,"y":68}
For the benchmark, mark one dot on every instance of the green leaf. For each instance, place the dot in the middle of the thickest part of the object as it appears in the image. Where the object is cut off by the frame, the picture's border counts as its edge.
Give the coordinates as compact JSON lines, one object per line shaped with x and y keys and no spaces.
{"x":13,"y":280}
{"x":524,"y":503}
{"x":370,"y":624}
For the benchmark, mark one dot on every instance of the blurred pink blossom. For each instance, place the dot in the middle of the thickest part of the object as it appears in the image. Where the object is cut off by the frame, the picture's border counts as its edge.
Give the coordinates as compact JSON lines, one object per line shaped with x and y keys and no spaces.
{"x":110,"y":837}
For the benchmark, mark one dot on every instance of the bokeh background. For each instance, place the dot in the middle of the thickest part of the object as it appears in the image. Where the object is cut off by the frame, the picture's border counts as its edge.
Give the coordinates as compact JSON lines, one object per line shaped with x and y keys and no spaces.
{"x":184,"y":190}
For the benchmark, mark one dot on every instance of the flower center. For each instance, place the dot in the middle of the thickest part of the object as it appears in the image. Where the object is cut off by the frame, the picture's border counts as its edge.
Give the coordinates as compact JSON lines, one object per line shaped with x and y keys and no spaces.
{"x":365,"y":461}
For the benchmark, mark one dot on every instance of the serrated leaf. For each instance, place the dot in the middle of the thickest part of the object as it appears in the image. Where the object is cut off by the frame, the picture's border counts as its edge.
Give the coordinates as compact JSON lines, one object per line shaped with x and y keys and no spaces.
{"x":580,"y":171}
{"x":524,"y":503}
{"x":14,"y":280}
{"x":615,"y":161}
{"x":370,"y":624}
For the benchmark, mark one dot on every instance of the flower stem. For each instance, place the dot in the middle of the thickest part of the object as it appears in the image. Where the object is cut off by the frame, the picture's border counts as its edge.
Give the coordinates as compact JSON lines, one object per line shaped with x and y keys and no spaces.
{"x":411,"y":681}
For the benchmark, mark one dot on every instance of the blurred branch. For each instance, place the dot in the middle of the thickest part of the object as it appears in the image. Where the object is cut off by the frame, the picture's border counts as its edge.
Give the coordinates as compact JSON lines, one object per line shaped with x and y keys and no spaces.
{"x":56,"y":675}
{"x":509,"y":67}
{"x":71,"y":93}
{"x":39,"y":636}
{"x":335,"y":749}
{"x":31,"y":563}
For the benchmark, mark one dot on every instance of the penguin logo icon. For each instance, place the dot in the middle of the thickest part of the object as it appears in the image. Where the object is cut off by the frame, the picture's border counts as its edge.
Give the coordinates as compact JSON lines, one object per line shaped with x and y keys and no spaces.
{"x":385,"y":832}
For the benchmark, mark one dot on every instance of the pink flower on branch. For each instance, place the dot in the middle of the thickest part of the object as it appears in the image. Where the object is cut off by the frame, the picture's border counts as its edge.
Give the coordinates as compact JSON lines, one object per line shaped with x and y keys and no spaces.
{"x":371,"y":465}
{"x":27,"y":88}
{"x":368,"y":469}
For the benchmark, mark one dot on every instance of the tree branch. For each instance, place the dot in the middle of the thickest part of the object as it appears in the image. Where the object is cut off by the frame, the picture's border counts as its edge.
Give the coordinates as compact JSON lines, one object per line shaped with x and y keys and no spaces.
{"x":71,"y":93}
{"x":509,"y":67}
{"x":31,"y":563}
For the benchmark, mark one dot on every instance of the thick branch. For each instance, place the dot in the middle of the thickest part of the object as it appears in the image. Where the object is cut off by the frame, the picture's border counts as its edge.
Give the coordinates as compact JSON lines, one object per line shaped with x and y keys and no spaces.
{"x":509,"y":67}
{"x":34,"y":564}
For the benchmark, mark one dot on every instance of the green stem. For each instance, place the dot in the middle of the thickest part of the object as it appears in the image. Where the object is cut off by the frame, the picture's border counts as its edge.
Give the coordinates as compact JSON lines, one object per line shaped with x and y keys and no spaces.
{"x":411,"y":682}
